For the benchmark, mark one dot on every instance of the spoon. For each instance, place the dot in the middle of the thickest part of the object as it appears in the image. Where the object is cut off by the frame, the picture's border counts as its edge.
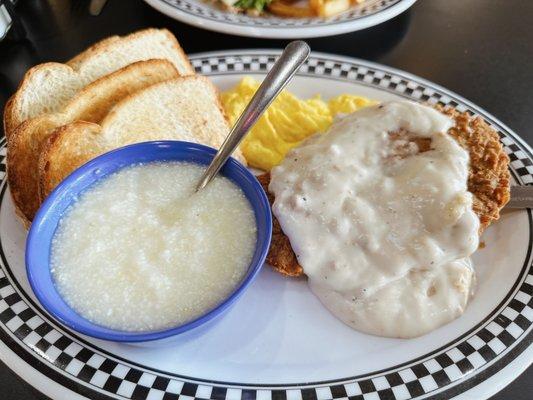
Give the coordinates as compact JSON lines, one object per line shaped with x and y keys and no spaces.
{"x":277,"y":78}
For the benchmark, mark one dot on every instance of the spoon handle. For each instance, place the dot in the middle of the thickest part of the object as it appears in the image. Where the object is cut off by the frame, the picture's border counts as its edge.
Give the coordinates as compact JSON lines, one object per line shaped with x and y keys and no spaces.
{"x":279,"y":75}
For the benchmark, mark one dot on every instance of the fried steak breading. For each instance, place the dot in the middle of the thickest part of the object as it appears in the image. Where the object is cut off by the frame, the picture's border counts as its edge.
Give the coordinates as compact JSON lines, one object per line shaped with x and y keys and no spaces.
{"x":488,"y":181}
{"x":280,"y":255}
{"x":489,"y":178}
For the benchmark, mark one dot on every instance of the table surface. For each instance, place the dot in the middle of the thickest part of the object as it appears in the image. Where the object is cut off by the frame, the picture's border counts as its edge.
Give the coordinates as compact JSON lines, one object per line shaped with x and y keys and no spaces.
{"x":481,"y":49}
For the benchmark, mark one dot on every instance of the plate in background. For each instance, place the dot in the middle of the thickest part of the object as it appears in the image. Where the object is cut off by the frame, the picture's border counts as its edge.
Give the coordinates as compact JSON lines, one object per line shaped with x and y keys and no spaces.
{"x":207,"y":15}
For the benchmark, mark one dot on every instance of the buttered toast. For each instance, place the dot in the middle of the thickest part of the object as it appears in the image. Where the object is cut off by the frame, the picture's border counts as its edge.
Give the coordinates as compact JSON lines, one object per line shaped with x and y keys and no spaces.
{"x":185,"y":108}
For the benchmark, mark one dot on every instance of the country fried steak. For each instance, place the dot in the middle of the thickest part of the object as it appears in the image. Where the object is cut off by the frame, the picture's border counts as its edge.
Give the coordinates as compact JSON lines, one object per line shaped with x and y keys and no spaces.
{"x":488,"y":181}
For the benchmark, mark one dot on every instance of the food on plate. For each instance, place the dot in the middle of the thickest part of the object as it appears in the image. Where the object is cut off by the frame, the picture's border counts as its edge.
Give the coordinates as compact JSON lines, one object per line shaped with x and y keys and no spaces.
{"x":379,"y":205}
{"x":91,"y":104}
{"x":290,"y":8}
{"x":150,"y":253}
{"x":48,"y":87}
{"x":286,"y":123}
{"x":488,"y":181}
{"x":280,"y":256}
{"x":185,"y":108}
{"x":489,"y":178}
{"x":102,"y":99}
{"x":379,"y":216}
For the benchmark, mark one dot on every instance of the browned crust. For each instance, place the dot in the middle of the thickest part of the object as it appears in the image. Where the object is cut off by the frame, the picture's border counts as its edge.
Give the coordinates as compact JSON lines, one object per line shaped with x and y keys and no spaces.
{"x":489,"y":178}
{"x":104,"y":43}
{"x":11,"y":115}
{"x":179,"y":49}
{"x":78,"y":59}
{"x":20,"y":172}
{"x":49,"y":146}
{"x":11,"y":120}
{"x":44,"y":165}
{"x":8,"y":120}
{"x":46,"y":179}
{"x":280,"y":256}
{"x":489,"y":182}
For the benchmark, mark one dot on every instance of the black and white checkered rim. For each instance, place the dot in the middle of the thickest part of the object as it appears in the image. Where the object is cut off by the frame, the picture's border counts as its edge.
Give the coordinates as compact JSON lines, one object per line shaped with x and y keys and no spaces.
{"x":448,"y":371}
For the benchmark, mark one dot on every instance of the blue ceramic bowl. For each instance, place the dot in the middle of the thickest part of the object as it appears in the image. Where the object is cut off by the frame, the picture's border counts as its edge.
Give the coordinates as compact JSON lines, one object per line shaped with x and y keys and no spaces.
{"x":45,"y":223}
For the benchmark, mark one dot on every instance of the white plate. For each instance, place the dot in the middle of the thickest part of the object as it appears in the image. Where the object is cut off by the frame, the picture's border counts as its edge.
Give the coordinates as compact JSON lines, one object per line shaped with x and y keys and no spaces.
{"x":207,"y":15}
{"x":278,"y":342}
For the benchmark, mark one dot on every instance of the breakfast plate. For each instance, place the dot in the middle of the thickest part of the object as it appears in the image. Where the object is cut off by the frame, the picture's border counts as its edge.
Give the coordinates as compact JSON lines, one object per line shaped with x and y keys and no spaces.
{"x":278,"y":342}
{"x":207,"y":15}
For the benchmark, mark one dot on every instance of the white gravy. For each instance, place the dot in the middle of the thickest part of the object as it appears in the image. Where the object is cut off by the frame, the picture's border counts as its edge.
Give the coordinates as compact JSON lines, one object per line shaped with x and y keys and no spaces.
{"x":382,"y":231}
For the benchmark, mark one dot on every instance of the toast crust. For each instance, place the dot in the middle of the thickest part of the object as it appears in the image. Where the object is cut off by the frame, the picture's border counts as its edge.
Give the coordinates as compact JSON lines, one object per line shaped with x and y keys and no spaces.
{"x":7,"y":117}
{"x":91,"y":104}
{"x":489,"y":178}
{"x":95,"y":100}
{"x":55,"y":163}
{"x":280,"y":255}
{"x":80,"y":58}
{"x":488,"y":181}
{"x":105,"y":43}
{"x":13,"y":112}
{"x":52,"y":167}
{"x":13,"y":108}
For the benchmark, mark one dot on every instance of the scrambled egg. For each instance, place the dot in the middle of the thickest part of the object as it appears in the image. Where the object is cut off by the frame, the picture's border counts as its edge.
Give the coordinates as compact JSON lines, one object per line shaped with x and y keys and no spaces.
{"x":286,"y":123}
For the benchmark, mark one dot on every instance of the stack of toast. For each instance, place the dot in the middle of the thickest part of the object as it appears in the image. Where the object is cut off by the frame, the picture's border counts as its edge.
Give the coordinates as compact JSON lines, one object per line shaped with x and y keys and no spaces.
{"x":120,"y":91}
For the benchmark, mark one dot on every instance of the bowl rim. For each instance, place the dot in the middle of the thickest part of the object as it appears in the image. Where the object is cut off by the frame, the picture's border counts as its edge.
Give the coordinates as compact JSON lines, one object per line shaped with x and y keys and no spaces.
{"x":240,"y":175}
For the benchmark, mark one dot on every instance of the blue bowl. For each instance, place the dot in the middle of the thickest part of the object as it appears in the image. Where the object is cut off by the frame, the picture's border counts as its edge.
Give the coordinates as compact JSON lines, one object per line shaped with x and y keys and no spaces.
{"x":45,"y":223}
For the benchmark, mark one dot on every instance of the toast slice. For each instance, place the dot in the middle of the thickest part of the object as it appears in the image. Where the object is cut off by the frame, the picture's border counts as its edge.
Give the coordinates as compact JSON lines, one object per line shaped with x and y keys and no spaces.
{"x":186,"y":108}
{"x":488,"y":181}
{"x":47,"y":87}
{"x":91,"y":104}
